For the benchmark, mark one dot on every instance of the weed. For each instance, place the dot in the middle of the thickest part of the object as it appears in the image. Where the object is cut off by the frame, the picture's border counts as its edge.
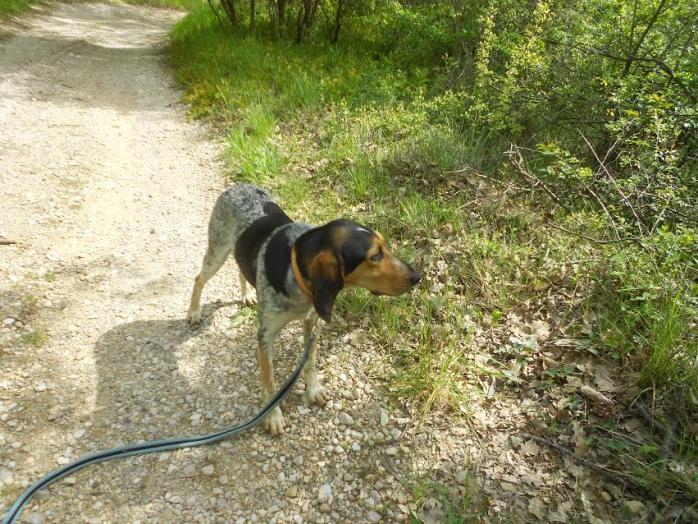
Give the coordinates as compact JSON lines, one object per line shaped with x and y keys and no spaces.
{"x":35,"y":338}
{"x":29,"y":306}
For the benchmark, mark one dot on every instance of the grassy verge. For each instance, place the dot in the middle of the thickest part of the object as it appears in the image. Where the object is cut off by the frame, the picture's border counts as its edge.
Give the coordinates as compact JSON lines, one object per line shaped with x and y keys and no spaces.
{"x":186,"y":5}
{"x":343,"y":131}
{"x":11,"y":7}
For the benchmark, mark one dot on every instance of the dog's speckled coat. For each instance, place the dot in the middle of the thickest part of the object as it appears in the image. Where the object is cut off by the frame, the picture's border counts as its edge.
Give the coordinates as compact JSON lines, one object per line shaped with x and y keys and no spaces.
{"x":246,"y":221}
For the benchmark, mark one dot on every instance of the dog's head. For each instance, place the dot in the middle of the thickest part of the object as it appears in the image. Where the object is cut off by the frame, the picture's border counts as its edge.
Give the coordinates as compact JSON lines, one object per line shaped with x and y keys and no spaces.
{"x":344,"y":253}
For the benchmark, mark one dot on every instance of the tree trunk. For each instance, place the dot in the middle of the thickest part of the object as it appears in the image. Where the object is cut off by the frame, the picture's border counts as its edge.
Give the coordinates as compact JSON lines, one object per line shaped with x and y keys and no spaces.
{"x":337,"y":21}
{"x":229,"y":8}
{"x":281,"y":11}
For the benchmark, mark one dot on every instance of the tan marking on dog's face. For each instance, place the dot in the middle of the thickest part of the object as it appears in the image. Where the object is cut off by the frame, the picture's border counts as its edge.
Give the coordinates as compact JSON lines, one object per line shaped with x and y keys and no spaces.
{"x":382,"y":272}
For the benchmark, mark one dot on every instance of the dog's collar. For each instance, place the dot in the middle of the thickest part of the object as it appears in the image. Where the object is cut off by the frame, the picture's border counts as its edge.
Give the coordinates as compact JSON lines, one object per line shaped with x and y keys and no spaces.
{"x":297,"y":275}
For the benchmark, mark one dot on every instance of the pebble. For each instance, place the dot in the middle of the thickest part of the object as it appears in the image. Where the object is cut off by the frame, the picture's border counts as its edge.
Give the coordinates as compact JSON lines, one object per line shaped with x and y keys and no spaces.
{"x":372,"y":516}
{"x":392,"y":450}
{"x":34,"y":518}
{"x":41,"y":386}
{"x":8,"y":321}
{"x":208,"y":470}
{"x":356,"y":446}
{"x":292,"y":492}
{"x":346,"y":419}
{"x":634,"y":506}
{"x":325,"y":508}
{"x":6,"y":476}
{"x":325,"y":493}
{"x":384,"y":418}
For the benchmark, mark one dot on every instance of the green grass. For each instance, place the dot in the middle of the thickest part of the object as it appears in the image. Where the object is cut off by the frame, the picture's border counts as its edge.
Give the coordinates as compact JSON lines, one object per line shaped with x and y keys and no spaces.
{"x":35,"y":338}
{"x":186,"y":5}
{"x":10,"y":7}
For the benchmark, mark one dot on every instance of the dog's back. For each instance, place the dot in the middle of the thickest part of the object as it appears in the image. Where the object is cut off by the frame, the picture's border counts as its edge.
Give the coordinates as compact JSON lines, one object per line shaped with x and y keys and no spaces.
{"x":243,"y":218}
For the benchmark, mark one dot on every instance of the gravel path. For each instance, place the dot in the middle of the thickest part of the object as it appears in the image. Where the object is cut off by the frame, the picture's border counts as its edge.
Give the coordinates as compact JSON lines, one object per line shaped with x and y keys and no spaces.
{"x":106,"y":188}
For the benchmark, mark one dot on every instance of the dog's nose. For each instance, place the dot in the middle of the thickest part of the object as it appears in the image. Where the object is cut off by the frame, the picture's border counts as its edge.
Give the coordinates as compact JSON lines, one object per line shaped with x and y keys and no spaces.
{"x":415,"y":276}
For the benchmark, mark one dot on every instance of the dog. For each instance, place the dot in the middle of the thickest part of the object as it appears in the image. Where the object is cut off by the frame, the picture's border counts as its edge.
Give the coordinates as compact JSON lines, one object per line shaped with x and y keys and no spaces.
{"x":297,"y":270}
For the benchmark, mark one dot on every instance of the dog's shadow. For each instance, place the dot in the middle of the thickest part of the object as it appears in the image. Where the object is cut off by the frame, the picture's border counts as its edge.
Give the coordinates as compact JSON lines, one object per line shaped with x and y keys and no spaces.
{"x":155,"y":375}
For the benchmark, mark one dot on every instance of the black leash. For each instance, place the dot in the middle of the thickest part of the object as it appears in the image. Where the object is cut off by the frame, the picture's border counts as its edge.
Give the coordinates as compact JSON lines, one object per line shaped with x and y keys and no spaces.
{"x":155,"y":446}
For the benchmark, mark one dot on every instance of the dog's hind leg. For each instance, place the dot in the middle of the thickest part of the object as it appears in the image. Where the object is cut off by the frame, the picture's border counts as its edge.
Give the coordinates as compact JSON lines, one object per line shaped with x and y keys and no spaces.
{"x":215,"y":256}
{"x":249,"y":297}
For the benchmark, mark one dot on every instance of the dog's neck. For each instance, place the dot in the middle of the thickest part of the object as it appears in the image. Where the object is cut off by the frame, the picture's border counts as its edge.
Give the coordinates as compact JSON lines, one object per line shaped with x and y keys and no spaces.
{"x":297,"y":275}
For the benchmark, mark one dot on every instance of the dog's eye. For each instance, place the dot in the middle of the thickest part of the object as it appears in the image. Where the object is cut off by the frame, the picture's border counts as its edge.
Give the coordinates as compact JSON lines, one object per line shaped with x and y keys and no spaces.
{"x":377,"y":257}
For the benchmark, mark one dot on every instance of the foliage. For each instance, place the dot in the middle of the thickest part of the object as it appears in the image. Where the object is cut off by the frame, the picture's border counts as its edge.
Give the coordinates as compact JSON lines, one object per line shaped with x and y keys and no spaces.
{"x":9,"y":7}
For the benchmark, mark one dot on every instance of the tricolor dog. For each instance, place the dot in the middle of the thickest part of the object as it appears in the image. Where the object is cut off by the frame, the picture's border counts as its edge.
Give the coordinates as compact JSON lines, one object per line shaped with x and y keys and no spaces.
{"x":297,"y":270}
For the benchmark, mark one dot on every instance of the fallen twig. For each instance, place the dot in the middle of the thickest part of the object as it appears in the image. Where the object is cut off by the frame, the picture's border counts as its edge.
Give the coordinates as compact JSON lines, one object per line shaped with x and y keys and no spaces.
{"x":624,"y":197}
{"x":667,"y":431}
{"x":6,"y":241}
{"x":595,"y":396}
{"x":591,"y":465}
{"x":516,"y":158}
{"x":591,"y":239}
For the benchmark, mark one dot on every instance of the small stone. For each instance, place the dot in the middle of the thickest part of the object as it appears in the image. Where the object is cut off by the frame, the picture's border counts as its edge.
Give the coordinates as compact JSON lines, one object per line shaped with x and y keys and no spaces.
{"x":384,"y":418}
{"x":325,"y":493}
{"x":223,"y":479}
{"x":42,"y":494}
{"x":34,"y":518}
{"x":372,"y":516}
{"x":635,"y":506}
{"x":8,"y":321}
{"x":298,"y":460}
{"x":41,"y":386}
{"x":346,"y":419}
{"x":461,"y":476}
{"x":356,"y":446}
{"x":208,"y":470}
{"x":339,"y":450}
{"x":392,"y":450}
{"x":292,"y":492}
{"x":325,"y":508}
{"x":395,"y":433}
{"x":6,"y":476}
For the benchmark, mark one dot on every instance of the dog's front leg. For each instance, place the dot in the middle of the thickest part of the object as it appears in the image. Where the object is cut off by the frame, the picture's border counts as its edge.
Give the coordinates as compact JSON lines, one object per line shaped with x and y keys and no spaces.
{"x":266,"y":335}
{"x":314,"y":392}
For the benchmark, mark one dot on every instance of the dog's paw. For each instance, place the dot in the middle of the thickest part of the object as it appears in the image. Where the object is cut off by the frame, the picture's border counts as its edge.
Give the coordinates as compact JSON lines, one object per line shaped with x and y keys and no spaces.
{"x":194,"y":317}
{"x":274,"y":423}
{"x":316,"y":394}
{"x":250,"y":299}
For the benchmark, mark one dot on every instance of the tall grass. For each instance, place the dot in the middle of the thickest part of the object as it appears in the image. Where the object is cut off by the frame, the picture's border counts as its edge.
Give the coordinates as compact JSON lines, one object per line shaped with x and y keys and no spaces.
{"x":9,"y":7}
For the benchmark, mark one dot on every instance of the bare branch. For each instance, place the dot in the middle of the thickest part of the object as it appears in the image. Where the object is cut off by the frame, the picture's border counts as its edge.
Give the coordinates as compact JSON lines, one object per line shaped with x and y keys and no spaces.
{"x":624,"y":197}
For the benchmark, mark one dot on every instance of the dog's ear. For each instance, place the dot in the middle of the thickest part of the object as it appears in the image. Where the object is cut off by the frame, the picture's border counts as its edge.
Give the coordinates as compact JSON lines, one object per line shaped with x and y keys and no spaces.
{"x":326,"y":281}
